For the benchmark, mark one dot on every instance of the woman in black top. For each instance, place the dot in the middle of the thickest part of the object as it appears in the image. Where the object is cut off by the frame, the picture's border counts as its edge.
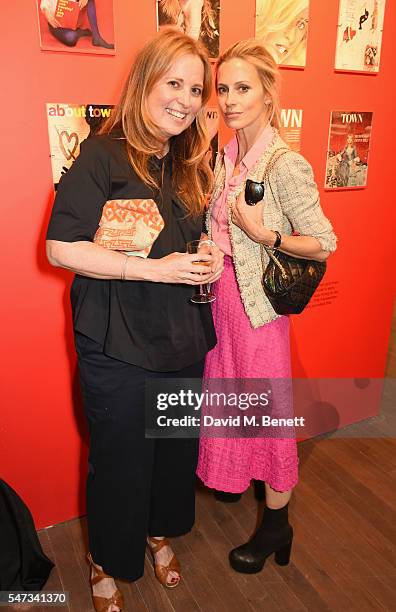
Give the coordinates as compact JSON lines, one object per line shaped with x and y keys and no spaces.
{"x":133,"y":320}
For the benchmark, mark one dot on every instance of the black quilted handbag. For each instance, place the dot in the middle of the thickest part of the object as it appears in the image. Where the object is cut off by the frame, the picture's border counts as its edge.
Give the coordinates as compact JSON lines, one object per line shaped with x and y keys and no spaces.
{"x":290,"y":282}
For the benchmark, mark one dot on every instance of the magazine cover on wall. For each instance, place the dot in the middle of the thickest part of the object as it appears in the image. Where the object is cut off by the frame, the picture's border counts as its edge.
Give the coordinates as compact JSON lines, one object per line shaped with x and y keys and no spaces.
{"x":283,"y":26}
{"x":212,"y":121}
{"x":68,"y":126}
{"x":81,"y":26}
{"x":348,"y":149}
{"x":359,"y":35}
{"x":197,"y":18}
{"x":290,"y":127}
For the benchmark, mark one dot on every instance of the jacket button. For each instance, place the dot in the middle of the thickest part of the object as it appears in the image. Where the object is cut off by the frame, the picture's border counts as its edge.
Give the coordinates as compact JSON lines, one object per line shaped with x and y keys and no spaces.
{"x":252,"y":303}
{"x":242,"y":262}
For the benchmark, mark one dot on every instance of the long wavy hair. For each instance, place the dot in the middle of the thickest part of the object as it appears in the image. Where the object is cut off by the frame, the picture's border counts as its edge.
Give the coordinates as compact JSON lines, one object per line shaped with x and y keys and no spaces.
{"x":191,"y":174}
{"x":279,"y":15}
{"x":254,"y":52}
{"x":173,"y":8}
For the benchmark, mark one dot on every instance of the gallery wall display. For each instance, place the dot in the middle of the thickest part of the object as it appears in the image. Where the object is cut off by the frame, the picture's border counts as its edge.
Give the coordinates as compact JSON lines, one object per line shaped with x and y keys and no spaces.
{"x":348,"y":149}
{"x":282,"y":25}
{"x":200,"y":20}
{"x":290,"y":127}
{"x":82,"y":26}
{"x":59,"y":75}
{"x":359,"y":35}
{"x":68,"y":126}
{"x":212,"y":121}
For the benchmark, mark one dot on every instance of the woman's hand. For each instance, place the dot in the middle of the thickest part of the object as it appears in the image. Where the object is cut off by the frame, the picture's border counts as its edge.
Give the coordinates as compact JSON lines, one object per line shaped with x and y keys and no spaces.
{"x":180,"y":268}
{"x":217,"y":266}
{"x":250,"y":220}
{"x":89,"y":259}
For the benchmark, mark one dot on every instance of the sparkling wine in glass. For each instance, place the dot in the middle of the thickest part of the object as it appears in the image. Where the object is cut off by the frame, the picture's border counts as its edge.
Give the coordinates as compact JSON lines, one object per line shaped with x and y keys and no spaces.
{"x":204,"y":296}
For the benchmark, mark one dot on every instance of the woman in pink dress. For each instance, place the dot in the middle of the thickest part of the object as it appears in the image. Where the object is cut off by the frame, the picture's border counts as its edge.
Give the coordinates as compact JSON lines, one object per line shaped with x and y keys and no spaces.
{"x":253,"y":341}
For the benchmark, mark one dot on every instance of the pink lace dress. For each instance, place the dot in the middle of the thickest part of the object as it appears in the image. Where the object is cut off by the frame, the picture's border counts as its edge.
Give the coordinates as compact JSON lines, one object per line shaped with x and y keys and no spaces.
{"x":229,"y":464}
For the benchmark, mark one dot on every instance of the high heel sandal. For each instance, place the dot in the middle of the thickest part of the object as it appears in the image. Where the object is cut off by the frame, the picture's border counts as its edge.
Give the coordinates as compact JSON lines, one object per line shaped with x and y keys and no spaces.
{"x":162,"y":571}
{"x":102,"y":604}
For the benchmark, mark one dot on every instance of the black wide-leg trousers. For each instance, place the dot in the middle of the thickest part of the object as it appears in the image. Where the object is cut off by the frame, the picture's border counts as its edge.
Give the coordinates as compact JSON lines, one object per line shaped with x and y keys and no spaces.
{"x":136,"y":486}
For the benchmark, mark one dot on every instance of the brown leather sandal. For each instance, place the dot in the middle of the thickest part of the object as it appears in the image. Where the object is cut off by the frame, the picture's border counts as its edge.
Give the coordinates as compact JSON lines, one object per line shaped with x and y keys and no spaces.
{"x":102,"y":604}
{"x":162,"y":571}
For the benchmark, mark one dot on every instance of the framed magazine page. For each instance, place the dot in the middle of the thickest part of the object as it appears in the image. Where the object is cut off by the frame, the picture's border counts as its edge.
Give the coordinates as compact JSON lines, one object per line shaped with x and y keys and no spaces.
{"x":359,"y":35}
{"x":290,"y":127}
{"x":199,"y":19}
{"x":212,"y":121}
{"x":282,"y":25}
{"x":348,"y":149}
{"x":79,"y":26}
{"x":68,"y":126}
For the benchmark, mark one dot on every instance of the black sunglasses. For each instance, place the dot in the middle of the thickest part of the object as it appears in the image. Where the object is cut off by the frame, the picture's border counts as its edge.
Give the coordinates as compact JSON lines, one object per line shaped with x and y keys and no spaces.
{"x":254,"y":192}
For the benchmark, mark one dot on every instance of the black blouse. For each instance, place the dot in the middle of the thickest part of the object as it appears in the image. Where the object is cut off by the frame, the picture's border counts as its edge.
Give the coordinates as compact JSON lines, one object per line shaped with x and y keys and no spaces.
{"x":151,"y":325}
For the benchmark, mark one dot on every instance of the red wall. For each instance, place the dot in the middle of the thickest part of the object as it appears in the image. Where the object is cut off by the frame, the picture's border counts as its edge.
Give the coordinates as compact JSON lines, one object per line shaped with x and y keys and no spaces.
{"x":42,"y":448}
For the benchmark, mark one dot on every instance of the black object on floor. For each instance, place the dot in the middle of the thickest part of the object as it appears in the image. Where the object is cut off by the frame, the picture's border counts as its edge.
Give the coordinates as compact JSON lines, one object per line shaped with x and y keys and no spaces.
{"x":23,"y":564}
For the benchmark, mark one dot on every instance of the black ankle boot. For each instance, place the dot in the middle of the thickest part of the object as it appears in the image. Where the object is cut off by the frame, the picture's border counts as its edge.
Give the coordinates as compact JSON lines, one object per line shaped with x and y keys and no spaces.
{"x":275,"y":535}
{"x":259,"y":490}
{"x":228,"y":498}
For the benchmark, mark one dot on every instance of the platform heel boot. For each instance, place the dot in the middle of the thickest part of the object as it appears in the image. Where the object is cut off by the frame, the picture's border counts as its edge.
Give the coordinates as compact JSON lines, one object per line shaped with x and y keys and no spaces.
{"x":275,"y":535}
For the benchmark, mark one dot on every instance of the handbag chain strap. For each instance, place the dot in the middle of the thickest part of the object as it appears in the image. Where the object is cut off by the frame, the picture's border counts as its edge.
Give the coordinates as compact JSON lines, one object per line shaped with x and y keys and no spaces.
{"x":263,"y":247}
{"x":270,"y":253}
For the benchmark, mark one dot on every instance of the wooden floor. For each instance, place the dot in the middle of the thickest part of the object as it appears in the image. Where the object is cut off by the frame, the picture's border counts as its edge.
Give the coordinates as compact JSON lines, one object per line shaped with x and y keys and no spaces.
{"x":344,"y":551}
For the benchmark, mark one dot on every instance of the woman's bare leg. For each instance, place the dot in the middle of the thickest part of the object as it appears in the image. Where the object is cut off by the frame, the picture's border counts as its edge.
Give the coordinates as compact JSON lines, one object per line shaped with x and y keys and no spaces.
{"x":276,"y":499}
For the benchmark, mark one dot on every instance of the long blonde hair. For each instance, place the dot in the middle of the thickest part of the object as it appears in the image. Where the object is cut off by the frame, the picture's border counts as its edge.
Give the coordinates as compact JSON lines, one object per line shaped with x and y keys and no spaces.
{"x":254,"y":52}
{"x":172,"y":9}
{"x":191,"y":173}
{"x":277,"y":16}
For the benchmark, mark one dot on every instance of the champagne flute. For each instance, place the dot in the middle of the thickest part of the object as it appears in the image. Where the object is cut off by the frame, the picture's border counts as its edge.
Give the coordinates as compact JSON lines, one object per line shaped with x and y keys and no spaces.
{"x":204,"y":296}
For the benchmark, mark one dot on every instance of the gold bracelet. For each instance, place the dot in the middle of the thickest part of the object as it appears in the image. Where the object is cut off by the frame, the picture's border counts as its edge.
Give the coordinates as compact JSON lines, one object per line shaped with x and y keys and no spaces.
{"x":124,"y":267}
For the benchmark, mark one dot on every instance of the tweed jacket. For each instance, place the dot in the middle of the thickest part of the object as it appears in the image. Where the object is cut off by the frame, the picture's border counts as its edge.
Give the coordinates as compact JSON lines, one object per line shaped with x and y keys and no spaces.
{"x":291,"y":203}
